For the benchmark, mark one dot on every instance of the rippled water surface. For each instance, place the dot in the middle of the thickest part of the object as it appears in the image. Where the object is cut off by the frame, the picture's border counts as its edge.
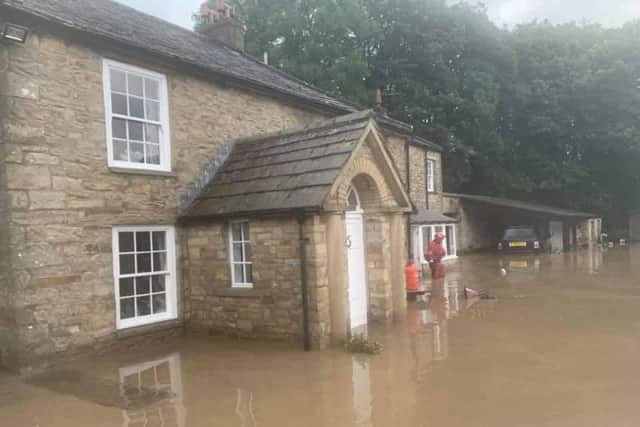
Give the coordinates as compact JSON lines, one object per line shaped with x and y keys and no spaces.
{"x":558,"y":346}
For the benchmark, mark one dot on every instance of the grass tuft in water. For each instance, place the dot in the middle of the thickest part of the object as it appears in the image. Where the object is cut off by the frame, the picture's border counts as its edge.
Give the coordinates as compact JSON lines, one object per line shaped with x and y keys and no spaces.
{"x":361,"y":345}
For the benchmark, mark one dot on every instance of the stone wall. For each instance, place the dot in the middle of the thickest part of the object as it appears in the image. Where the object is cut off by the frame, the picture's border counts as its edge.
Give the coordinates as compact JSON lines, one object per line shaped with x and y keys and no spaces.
{"x":417,"y":172}
{"x":378,"y":263}
{"x":273,"y":307}
{"x":397,"y":146}
{"x":418,"y":176}
{"x":62,"y":196}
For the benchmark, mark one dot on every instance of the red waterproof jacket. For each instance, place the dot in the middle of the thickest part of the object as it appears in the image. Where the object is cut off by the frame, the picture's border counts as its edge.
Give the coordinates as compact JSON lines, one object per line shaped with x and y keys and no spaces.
{"x":435,"y":252}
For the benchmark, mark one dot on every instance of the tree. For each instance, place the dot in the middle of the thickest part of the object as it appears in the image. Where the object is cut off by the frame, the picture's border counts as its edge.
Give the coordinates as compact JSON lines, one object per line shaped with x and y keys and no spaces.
{"x":545,"y":112}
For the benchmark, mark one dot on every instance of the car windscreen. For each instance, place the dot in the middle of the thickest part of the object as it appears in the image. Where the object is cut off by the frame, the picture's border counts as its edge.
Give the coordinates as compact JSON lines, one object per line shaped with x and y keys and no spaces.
{"x":520,"y":234}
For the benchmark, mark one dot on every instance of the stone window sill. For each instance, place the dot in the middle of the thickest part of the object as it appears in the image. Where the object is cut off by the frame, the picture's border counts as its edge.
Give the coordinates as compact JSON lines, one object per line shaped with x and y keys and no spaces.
{"x":126,"y":171}
{"x":153,"y":327}
{"x":241,"y":293}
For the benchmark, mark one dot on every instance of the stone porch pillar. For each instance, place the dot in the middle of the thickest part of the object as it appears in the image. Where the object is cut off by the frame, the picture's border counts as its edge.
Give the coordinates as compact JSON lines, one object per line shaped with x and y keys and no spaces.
{"x":398,"y":260}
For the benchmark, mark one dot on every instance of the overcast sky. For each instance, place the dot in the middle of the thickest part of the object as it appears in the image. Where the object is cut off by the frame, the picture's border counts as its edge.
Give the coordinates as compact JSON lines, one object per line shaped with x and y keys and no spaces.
{"x":610,"y":13}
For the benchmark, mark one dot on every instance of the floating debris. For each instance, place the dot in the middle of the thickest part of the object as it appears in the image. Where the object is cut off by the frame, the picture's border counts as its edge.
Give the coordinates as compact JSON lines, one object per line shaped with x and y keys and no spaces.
{"x":361,"y":344}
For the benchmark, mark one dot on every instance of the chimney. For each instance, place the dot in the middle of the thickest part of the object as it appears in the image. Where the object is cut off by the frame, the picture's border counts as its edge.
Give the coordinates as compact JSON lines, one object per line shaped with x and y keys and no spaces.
{"x":220,"y":25}
{"x":378,"y":99}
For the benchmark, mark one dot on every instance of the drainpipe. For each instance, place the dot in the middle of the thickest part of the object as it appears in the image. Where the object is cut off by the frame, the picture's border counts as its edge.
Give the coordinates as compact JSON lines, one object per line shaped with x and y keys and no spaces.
{"x":407,"y":165}
{"x":304,"y":284}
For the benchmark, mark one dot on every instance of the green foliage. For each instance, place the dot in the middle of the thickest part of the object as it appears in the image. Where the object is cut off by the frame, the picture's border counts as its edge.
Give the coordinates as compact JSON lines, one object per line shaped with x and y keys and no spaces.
{"x":543,"y":112}
{"x":361,"y":345}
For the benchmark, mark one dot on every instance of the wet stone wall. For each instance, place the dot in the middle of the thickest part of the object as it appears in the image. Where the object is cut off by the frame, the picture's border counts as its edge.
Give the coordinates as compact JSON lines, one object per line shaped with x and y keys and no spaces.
{"x":62,"y":197}
{"x":378,"y":258}
{"x":272,"y":306}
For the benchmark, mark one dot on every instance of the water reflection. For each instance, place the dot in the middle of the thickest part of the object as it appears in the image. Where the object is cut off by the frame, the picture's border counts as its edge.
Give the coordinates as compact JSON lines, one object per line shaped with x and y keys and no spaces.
{"x":244,"y":408}
{"x":361,"y":380}
{"x":162,"y":378}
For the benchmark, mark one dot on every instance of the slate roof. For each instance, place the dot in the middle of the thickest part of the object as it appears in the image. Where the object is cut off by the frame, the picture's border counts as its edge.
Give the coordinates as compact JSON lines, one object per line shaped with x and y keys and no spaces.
{"x":431,"y":217}
{"x":285,"y":171}
{"x":115,"y":22}
{"x":525,"y":206}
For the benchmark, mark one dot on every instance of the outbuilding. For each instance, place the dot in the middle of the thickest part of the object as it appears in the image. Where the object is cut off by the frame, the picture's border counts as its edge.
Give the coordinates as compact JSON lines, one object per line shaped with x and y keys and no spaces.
{"x":483,"y":219}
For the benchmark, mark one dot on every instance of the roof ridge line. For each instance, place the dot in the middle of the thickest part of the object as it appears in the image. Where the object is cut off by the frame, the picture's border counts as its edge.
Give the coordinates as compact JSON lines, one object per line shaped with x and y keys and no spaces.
{"x":315,"y":125}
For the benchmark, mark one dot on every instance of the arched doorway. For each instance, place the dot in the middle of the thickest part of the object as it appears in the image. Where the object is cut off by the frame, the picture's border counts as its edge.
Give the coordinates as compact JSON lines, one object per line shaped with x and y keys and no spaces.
{"x":362,"y":199}
{"x":356,"y":260}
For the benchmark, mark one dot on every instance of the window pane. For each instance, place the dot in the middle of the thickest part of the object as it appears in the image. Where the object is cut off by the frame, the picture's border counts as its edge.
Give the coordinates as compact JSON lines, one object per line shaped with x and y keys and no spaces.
{"x":143,"y":285}
{"x":144,"y":263}
{"x":159,"y":243}
{"x":127,"y":309}
{"x":159,"y":261}
{"x":125,"y":241}
{"x":238,"y":274}
{"x":148,"y":382}
{"x":248,"y":268}
{"x":236,"y":231}
{"x":247,"y":252}
{"x":159,"y":303}
{"x":118,"y":83}
{"x":127,"y":264}
{"x":153,"y":111}
{"x":135,"y":85}
{"x":157,"y":283}
{"x":152,"y":133}
{"x":120,"y":150}
{"x":136,"y":151}
{"x":126,"y":287}
{"x":136,"y":107}
{"x":245,"y":230}
{"x":135,"y":131}
{"x":143,"y":241}
{"x":118,"y":104}
{"x":151,"y":88}
{"x":237,"y":252}
{"x":143,"y":305}
{"x":163,"y":373}
{"x":153,"y":154}
{"x":119,"y":128}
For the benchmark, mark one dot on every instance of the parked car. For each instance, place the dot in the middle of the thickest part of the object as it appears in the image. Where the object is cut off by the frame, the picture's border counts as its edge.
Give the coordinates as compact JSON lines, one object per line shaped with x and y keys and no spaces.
{"x":520,"y":239}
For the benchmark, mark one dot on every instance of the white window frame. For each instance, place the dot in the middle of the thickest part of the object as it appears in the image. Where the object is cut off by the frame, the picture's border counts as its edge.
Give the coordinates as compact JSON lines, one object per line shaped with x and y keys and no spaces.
{"x":163,"y":123}
{"x":431,"y":181}
{"x":232,"y":262}
{"x":170,"y":278}
{"x":419,"y":236}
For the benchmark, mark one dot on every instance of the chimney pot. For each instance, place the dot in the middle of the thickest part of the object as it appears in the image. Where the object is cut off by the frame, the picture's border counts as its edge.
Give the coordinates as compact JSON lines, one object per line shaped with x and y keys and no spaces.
{"x":378,"y":99}
{"x":219,"y":24}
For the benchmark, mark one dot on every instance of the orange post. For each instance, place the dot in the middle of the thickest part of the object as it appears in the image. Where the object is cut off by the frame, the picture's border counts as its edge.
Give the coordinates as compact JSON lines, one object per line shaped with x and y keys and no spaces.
{"x":411,"y":276}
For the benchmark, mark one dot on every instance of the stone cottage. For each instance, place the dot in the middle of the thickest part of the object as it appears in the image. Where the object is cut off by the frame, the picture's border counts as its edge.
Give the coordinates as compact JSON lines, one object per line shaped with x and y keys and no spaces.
{"x":154,"y":180}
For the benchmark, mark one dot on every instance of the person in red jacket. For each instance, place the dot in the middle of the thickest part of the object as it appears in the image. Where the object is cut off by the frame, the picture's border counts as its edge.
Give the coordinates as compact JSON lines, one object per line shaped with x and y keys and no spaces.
{"x":435,"y":254}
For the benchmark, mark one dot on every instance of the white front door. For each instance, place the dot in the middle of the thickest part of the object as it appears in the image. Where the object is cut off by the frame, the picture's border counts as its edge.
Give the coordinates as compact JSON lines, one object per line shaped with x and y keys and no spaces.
{"x":357,"y":278}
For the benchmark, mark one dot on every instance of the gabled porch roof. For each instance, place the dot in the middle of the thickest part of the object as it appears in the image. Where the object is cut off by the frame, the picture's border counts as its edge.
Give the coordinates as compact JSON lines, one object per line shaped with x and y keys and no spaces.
{"x":286,"y":171}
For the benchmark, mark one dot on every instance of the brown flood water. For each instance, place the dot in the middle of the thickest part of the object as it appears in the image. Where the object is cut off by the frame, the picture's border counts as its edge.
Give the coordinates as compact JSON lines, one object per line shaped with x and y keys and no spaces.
{"x":559,"y":346}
